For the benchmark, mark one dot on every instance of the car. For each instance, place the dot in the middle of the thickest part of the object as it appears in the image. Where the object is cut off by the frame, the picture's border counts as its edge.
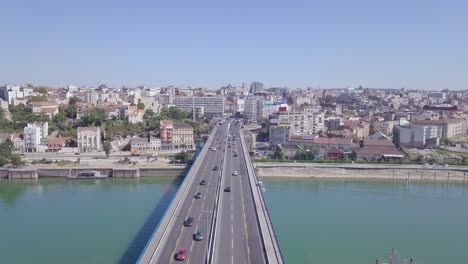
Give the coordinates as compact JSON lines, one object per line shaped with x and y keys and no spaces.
{"x":77,"y":153}
{"x":229,"y":146}
{"x":198,"y":236}
{"x":189,"y":221}
{"x":213,"y":148}
{"x":235,"y":173}
{"x":181,"y":254}
{"x":235,"y":154}
{"x":203,"y":182}
{"x":227,"y":189}
{"x":215,"y":168}
{"x":198,"y":195}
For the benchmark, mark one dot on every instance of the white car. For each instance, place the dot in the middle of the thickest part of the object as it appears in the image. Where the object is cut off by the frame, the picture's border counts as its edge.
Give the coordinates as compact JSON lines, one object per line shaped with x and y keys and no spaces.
{"x":213,"y":148}
{"x":235,"y":173}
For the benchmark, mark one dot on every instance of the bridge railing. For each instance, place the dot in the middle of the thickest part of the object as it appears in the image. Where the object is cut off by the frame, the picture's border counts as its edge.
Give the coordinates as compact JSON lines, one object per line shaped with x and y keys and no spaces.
{"x":148,"y":256}
{"x":272,"y":236}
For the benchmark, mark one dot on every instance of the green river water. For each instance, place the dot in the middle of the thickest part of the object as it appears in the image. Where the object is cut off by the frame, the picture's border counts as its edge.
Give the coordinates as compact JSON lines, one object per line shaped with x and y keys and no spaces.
{"x":316,"y":220}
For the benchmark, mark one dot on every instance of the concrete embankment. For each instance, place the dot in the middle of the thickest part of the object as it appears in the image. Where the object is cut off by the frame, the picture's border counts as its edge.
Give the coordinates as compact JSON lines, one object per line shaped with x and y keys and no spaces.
{"x":361,"y":171}
{"x":33,"y":173}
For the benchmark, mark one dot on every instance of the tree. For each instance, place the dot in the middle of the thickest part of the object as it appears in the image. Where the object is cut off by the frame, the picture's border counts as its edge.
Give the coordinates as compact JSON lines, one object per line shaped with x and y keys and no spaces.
{"x":107,"y":148}
{"x":41,"y":90}
{"x":278,"y":154}
{"x":446,"y":141}
{"x":141,"y":106}
{"x":73,"y":100}
{"x":42,"y":98}
{"x":16,"y":160}
{"x":93,"y":117}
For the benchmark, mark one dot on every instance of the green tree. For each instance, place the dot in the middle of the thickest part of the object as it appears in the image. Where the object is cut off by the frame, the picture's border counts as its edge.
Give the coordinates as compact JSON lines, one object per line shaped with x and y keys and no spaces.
{"x":107,"y":148}
{"x":279,"y":155}
{"x":16,"y":160}
{"x":94,"y":117}
{"x":3,"y":161}
{"x":73,"y":100}
{"x":42,"y":98}
{"x":446,"y":142}
{"x":41,"y":90}
{"x":141,"y":106}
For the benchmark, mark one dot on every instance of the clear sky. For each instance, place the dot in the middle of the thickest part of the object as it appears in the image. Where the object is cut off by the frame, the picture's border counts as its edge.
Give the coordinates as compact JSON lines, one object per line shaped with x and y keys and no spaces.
{"x":329,"y":43}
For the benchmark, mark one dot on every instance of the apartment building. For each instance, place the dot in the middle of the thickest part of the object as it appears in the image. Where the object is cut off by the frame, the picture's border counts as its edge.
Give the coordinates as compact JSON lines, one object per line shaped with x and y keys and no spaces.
{"x":253,"y":108}
{"x":89,"y":139}
{"x":307,"y":123}
{"x":33,"y":134}
{"x":415,"y":136}
{"x":212,"y":105}
{"x":446,"y":128}
{"x":176,"y":136}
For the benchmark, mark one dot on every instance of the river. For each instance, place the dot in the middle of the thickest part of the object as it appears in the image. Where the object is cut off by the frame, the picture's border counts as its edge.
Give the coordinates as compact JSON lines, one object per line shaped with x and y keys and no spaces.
{"x":355,"y":221}
{"x":316,"y":220}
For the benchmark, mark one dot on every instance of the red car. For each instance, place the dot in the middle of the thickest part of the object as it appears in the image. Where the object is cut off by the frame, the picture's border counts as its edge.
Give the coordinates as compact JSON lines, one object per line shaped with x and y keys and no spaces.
{"x":181,"y":254}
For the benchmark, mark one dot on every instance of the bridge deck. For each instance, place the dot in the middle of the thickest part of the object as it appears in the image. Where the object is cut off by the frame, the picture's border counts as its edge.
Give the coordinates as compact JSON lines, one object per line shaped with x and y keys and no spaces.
{"x":242,"y":231}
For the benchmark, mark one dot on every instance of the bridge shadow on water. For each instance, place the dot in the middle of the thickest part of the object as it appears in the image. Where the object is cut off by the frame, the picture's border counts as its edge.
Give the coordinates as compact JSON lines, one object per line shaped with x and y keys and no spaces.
{"x":135,"y":248}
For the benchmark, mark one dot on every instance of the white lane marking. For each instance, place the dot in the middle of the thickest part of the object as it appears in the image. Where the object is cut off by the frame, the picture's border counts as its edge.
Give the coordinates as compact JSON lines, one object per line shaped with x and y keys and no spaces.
{"x":232,"y":258}
{"x":232,"y":227}
{"x":232,"y":242}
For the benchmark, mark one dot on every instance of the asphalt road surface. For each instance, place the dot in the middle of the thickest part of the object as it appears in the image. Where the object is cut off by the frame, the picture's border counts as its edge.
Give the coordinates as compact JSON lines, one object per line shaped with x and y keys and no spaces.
{"x":238,"y":237}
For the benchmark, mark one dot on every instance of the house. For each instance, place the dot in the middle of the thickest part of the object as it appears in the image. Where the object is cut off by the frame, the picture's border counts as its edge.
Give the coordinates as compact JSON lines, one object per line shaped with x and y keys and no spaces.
{"x":333,"y":153}
{"x":56,"y":144}
{"x":18,"y":142}
{"x":344,"y":144}
{"x":145,"y":146}
{"x":46,"y":107}
{"x":377,"y":149}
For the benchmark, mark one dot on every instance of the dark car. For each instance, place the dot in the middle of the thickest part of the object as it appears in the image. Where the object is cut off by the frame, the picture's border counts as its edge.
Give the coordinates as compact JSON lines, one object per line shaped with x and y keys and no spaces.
{"x":203,"y":182}
{"x":198,"y":195}
{"x":227,"y":189}
{"x":189,"y":221}
{"x":181,"y":254}
{"x":215,"y":168}
{"x":198,"y":236}
{"x":235,"y":154}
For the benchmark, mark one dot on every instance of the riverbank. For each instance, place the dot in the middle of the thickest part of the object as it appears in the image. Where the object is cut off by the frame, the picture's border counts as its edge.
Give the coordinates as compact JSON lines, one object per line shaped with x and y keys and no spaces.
{"x":362,"y":171}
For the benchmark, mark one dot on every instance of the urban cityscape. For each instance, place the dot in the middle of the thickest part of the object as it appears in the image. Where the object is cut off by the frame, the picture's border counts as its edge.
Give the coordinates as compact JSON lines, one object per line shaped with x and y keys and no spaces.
{"x":242,"y":132}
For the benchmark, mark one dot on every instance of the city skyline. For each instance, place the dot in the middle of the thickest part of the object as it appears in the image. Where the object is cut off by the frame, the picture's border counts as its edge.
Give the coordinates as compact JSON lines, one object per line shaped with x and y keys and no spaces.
{"x":417,"y":45}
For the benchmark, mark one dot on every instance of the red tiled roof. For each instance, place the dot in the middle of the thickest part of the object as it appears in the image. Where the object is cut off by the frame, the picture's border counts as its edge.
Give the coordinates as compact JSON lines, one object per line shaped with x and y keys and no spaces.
{"x":344,"y":141}
{"x":57,"y":141}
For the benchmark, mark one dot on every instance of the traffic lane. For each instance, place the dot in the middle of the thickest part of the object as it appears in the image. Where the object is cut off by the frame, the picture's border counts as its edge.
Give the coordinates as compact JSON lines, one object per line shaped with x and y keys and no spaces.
{"x":186,"y":239}
{"x":198,"y":249}
{"x":179,"y":231}
{"x":255,"y":243}
{"x":223,"y":250}
{"x":239,"y":234}
{"x":170,"y":243}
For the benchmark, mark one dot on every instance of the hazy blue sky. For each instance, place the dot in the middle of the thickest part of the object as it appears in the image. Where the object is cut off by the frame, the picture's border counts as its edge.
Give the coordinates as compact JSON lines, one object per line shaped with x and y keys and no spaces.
{"x":397,"y":43}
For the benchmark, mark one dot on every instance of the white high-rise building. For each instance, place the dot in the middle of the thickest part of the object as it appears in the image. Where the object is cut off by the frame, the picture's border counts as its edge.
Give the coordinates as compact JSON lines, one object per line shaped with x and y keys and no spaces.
{"x":212,"y":105}
{"x":253,"y":108}
{"x":33,"y":134}
{"x":304,"y":123}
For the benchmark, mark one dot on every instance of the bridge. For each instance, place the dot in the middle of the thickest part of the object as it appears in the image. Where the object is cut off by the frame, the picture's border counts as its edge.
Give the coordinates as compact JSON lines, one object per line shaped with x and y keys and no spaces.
{"x":235,"y":223}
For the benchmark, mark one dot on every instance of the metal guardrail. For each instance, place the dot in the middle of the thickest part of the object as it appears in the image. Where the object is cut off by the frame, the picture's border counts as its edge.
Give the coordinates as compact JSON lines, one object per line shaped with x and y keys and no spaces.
{"x":271,"y":232}
{"x":217,"y":201}
{"x":182,"y":194}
